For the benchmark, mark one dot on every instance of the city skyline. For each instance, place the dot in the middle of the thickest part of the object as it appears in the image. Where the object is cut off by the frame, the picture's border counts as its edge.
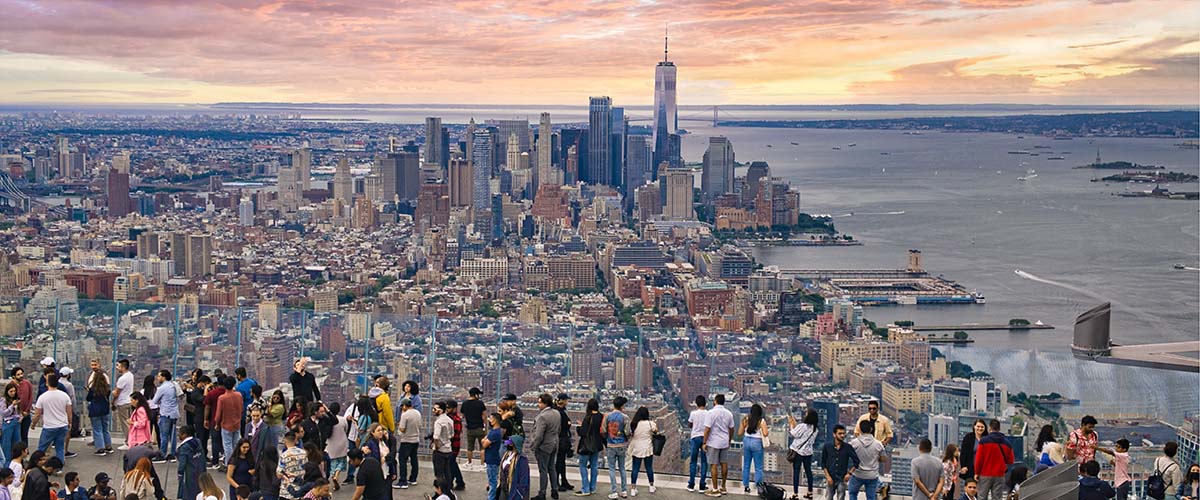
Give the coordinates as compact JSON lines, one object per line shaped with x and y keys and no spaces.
{"x":1140,"y":52}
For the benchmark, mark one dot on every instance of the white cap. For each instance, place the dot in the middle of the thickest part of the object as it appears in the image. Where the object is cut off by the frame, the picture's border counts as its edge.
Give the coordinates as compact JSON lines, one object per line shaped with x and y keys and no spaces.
{"x":47,"y":361}
{"x":65,"y":371}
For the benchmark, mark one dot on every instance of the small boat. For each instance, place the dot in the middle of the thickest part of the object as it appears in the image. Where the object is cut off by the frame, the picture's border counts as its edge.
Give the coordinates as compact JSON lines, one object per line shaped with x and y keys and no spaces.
{"x":770,"y":146}
{"x":795,"y":144}
{"x":1180,"y":266}
{"x":851,"y":145}
{"x":837,"y":148}
{"x":885,"y":153}
{"x":1055,"y":158}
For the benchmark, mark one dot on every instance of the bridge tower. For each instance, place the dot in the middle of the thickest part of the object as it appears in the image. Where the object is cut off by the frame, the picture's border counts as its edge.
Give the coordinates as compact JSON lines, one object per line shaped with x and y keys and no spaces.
{"x":715,"y":108}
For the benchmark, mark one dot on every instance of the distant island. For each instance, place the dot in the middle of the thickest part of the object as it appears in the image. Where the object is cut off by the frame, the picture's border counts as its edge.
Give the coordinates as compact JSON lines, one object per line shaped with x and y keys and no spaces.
{"x":1120,"y":165}
{"x":1177,"y":124}
{"x":1149,"y":177}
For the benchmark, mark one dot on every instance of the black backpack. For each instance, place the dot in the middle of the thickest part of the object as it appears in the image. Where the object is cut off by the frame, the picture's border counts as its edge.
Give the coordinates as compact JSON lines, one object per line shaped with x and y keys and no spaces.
{"x":1156,"y":486}
{"x":768,"y":491}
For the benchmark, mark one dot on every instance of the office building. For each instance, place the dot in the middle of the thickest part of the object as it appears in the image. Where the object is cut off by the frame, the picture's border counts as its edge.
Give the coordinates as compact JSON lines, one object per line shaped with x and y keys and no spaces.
{"x":620,"y":131}
{"x":437,"y":150}
{"x":666,"y":115}
{"x":482,"y":163}
{"x":118,"y":194}
{"x":120,"y":162}
{"x":289,"y":195}
{"x":943,"y":430}
{"x":717,"y":178}
{"x":302,"y":164}
{"x":433,"y":206}
{"x":506,"y":128}
{"x":600,"y":130}
{"x":757,"y":171}
{"x":545,"y":150}
{"x":901,"y":466}
{"x":147,"y":245}
{"x":461,"y":179}
{"x":638,"y":157}
{"x":678,"y":204}
{"x":343,"y":183}
{"x":246,"y":212}
{"x":199,"y":255}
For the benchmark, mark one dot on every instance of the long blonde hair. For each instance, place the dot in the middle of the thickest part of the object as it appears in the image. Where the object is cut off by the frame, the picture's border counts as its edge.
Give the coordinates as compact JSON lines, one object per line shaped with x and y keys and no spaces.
{"x":209,"y":487}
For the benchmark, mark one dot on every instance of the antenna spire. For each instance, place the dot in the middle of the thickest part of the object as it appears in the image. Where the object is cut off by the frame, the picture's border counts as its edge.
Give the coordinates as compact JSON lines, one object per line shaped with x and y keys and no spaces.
{"x":665,"y":39}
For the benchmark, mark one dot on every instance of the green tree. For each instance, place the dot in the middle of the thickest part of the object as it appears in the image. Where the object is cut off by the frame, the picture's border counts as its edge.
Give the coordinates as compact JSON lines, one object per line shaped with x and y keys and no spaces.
{"x":960,"y":335}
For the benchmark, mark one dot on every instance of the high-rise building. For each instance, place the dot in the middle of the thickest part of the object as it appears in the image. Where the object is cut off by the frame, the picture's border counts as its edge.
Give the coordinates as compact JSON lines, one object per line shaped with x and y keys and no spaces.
{"x":756,"y":171}
{"x":469,"y":147}
{"x":460,"y":182}
{"x":943,"y":430}
{"x":179,"y":253}
{"x":620,"y":130}
{"x":118,"y":194}
{"x":571,"y":172}
{"x":506,"y":128}
{"x":433,"y":206}
{"x":343,"y":183}
{"x":246,"y":212}
{"x":545,"y":150}
{"x":679,"y":196}
{"x":408,"y":178}
{"x":147,"y":245}
{"x":120,"y":162}
{"x":599,"y":167}
{"x":364,"y":213}
{"x":289,"y":194}
{"x":64,"y":157}
{"x":666,"y":115}
{"x":302,"y":164}
{"x":637,"y":162}
{"x":436,"y":149}
{"x":199,"y":255}
{"x":648,"y":203}
{"x":482,"y":165}
{"x":718,"y":168}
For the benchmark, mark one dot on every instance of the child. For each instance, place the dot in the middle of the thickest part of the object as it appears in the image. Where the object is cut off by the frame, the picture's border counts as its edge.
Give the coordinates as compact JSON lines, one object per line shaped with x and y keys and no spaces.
{"x":102,"y":491}
{"x":73,"y":491}
{"x":243,"y":491}
{"x":6,"y":480}
{"x":442,"y":489}
{"x":1120,"y":463}
{"x":19,"y":451}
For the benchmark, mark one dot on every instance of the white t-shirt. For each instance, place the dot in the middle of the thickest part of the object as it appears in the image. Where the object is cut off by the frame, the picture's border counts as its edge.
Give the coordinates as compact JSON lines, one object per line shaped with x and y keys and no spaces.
{"x":719,"y":422}
{"x":698,"y":419}
{"x":125,"y":384}
{"x":54,"y":406}
{"x":18,"y":473}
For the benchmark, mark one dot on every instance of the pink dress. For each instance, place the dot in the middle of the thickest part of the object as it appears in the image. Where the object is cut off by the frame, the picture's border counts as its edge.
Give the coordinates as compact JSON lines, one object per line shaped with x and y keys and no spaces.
{"x":139,"y":431}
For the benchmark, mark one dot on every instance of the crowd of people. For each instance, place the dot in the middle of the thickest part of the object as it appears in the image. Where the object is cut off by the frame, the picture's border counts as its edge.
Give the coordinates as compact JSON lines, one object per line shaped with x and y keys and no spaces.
{"x":232,"y":441}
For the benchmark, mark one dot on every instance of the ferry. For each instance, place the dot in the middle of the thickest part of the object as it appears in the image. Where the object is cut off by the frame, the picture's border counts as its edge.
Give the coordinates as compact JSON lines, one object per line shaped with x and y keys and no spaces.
{"x":795,"y":144}
{"x":1055,"y":158}
{"x":851,"y":145}
{"x":1180,"y":266}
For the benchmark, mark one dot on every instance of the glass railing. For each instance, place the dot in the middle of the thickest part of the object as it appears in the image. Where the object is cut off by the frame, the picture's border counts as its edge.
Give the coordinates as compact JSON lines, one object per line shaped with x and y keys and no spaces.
{"x":663,"y":369}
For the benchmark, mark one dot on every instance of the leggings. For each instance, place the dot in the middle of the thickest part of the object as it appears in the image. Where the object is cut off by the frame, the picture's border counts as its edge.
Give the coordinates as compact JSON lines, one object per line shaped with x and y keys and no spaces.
{"x":806,"y":462}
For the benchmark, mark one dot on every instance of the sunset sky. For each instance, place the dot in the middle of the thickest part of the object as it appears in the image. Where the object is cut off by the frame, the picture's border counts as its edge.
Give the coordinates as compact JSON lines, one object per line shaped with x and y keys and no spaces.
{"x":561,"y":51}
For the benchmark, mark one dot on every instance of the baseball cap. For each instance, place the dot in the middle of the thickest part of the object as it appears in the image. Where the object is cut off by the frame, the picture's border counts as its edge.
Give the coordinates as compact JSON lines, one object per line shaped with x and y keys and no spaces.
{"x":47,"y":361}
{"x":475,"y":391}
{"x":562,"y":396}
{"x":510,"y":397}
{"x":102,"y":477}
{"x":405,"y":402}
{"x":65,"y":371}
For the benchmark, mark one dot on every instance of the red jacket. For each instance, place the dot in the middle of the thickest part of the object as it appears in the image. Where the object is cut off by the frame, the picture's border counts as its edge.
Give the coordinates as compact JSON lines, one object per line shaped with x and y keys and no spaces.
{"x":993,"y":455}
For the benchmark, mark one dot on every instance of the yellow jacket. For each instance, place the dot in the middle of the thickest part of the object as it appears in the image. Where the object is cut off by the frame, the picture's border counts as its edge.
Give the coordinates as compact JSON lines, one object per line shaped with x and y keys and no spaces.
{"x":383,"y":404}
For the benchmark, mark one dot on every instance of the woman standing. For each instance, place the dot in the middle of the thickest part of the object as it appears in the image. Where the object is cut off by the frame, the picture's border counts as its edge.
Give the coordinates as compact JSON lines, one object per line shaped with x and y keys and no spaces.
{"x":376,"y":443}
{"x":276,"y":409}
{"x":138,"y":481}
{"x":950,"y":471}
{"x":412,"y":391}
{"x":100,"y":413}
{"x":591,"y":444}
{"x":241,"y":468}
{"x":1051,"y":452}
{"x":966,"y":452}
{"x":753,"y":430}
{"x":139,"y":421}
{"x":10,"y":415}
{"x":514,"y":474}
{"x":641,"y":447}
{"x":148,"y":389}
{"x":803,"y":435}
{"x":337,"y":445}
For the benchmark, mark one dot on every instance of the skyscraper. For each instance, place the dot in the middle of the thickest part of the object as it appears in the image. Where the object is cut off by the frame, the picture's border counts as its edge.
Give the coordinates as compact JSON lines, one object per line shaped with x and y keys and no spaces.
{"x":120,"y":162}
{"x":637,"y":162}
{"x":118,"y":193}
{"x":289,"y":195}
{"x":460,"y":182}
{"x":620,"y":130}
{"x":199,"y":255}
{"x":435,"y":147}
{"x":717,"y":178}
{"x":408,"y":179}
{"x":679,"y":196}
{"x":599,"y":167}
{"x":482,"y":164}
{"x":246,"y":211}
{"x":64,"y":157}
{"x":302,"y":164}
{"x":545,"y":149}
{"x":666,"y":115}
{"x":343,"y":184}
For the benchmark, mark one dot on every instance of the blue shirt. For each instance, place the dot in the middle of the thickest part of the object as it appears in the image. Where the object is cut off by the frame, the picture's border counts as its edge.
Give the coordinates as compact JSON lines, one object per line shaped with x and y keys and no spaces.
{"x":614,"y":429}
{"x":491,"y":454}
{"x":244,"y":387}
{"x":78,"y":494}
{"x":167,"y":400}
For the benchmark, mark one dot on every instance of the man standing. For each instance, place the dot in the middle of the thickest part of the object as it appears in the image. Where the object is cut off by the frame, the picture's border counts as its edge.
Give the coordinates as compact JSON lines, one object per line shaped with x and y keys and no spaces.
{"x":474,"y":412}
{"x":245,"y":386}
{"x":839,"y":461}
{"x":215,"y":390}
{"x":25,"y":400}
{"x":443,"y":432}
{"x":228,"y":418}
{"x":1083,"y":442}
{"x":455,"y":445}
{"x":870,"y":453}
{"x":54,"y":406}
{"x":616,"y":441}
{"x":121,"y":399}
{"x":65,"y":385}
{"x":881,"y":426}
{"x":514,"y":420}
{"x":409,"y":428}
{"x":167,"y":399}
{"x":696,"y":420}
{"x":564,"y":441}
{"x":191,"y":462}
{"x":718,"y":428}
{"x":544,"y":443}
{"x":1092,"y":487}
{"x":927,"y":474}
{"x":993,"y":455}
{"x":291,"y":467}
{"x":304,"y":384}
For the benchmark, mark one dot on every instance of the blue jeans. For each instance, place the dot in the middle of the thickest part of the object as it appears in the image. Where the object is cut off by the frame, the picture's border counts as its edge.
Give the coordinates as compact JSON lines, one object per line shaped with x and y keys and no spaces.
{"x":637,"y":465}
{"x":166,"y":434}
{"x":229,"y":441}
{"x":752,"y":453}
{"x":616,"y":462}
{"x":589,"y":470}
{"x":493,"y":472}
{"x":56,"y":436}
{"x":11,"y":434}
{"x":871,"y":485}
{"x":102,"y":432}
{"x":698,"y":458}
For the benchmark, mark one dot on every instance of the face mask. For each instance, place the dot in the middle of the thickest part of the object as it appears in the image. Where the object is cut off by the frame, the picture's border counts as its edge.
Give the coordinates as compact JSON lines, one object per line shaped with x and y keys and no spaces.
{"x":1194,"y":476}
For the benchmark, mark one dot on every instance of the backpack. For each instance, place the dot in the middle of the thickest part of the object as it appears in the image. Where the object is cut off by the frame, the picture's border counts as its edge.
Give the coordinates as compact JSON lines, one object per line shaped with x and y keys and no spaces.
{"x":1156,"y":486}
{"x":768,"y":491}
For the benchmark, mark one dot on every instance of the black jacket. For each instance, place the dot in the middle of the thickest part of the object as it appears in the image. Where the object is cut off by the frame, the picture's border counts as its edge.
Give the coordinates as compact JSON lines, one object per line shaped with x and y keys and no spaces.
{"x":1092,"y":488}
{"x":590,"y":439}
{"x":564,"y":430}
{"x":37,"y":485}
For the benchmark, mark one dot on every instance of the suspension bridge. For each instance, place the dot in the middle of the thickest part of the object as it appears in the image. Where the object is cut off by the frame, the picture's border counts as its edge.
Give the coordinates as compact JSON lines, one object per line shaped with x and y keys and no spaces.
{"x":712,"y":115}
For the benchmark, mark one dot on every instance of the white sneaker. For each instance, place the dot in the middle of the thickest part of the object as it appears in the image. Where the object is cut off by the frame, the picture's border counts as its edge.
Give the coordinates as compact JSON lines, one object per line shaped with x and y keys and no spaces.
{"x":613,"y":496}
{"x":633,"y":492}
{"x":123,"y":447}
{"x":653,"y":489}
{"x":690,"y":489}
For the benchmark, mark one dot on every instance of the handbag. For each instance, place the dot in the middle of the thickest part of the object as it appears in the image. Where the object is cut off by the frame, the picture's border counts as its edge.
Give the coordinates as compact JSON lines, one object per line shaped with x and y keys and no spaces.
{"x":792,"y":455}
{"x":658,"y":442}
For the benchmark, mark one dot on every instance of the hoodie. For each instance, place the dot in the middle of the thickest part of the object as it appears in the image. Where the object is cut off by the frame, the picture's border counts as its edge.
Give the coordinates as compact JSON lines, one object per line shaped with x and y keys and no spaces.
{"x":868,"y":450}
{"x":993,"y":456}
{"x":383,"y":404}
{"x":1092,"y":488}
